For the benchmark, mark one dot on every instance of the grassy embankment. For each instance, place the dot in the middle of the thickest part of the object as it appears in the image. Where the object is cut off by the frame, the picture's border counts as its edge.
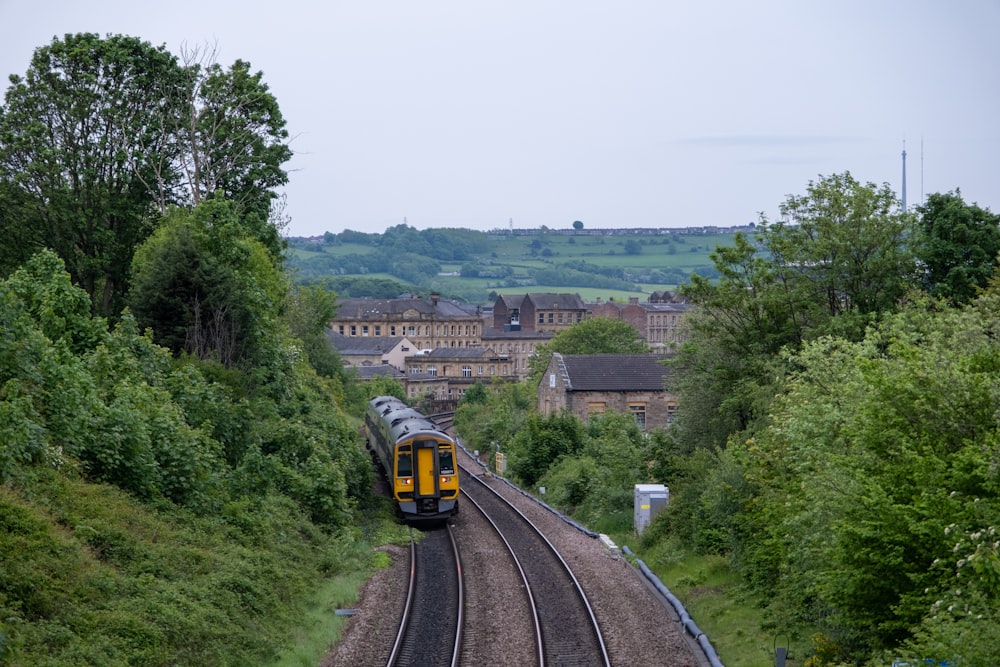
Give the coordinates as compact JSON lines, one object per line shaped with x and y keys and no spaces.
{"x":105,"y":580}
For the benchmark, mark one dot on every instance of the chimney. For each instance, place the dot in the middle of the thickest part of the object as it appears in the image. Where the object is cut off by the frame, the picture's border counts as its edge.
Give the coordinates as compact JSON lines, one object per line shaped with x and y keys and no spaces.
{"x":435,"y":297}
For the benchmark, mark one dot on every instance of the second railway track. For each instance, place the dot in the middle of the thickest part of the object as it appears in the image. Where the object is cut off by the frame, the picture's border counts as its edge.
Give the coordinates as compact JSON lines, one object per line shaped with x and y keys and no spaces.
{"x":430,"y":633}
{"x":569,"y":631}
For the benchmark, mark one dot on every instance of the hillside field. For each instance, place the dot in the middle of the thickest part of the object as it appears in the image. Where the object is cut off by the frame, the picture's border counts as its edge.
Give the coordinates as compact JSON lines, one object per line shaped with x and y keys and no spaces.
{"x":479,"y":265}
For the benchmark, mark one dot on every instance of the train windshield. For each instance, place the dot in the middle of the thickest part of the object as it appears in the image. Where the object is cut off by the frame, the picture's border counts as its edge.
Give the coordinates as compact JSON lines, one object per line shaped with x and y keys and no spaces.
{"x":446,"y":462}
{"x":404,"y":463}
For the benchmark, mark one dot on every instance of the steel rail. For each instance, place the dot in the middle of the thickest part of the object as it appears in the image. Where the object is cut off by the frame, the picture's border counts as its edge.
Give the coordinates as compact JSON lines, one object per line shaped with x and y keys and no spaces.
{"x":536,"y":622}
{"x":578,"y":588}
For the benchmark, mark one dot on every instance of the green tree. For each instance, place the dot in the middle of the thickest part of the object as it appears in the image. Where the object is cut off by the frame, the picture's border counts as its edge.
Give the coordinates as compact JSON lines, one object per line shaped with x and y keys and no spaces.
{"x":541,"y":443}
{"x":102,"y":135}
{"x":957,"y":245}
{"x":577,"y":225}
{"x":309,"y":312}
{"x":836,"y":262}
{"x":207,"y":289}
{"x":843,"y":246}
{"x":597,"y":335}
{"x":850,"y":493}
{"x":234,"y":143}
{"x":81,"y":135}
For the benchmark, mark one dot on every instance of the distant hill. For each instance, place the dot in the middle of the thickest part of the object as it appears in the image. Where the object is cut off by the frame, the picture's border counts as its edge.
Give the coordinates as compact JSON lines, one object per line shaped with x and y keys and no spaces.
{"x":474,"y":266}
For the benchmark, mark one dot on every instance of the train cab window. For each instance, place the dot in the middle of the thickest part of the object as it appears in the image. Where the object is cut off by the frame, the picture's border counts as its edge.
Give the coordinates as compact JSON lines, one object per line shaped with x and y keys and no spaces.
{"x":404,"y":463}
{"x":446,"y":463}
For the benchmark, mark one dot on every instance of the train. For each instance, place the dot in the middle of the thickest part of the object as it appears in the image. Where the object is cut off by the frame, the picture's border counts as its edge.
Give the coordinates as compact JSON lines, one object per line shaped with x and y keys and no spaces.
{"x":418,"y":459}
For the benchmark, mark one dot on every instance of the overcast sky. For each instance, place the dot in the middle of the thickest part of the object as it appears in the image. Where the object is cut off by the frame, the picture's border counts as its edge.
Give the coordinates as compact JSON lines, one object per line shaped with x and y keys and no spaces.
{"x":632,"y":113}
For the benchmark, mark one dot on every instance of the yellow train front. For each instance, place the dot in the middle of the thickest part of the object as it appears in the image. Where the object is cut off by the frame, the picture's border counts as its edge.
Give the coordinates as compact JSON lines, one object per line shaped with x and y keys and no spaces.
{"x":417,"y":457}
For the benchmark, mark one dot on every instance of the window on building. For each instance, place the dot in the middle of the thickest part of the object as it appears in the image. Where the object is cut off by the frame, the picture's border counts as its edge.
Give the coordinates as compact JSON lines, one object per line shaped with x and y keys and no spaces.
{"x":560,"y":318}
{"x":432,"y":371}
{"x":378,"y":329}
{"x":340,"y":329}
{"x":392,"y":330}
{"x":466,"y":371}
{"x":354,"y":329}
{"x":480,"y":370}
{"x":596,"y":408}
{"x":671,"y":411}
{"x":579,"y":317}
{"x":364,"y":330}
{"x":413,"y":330}
{"x":541,"y":318}
{"x":638,"y":411}
{"x":550,"y":318}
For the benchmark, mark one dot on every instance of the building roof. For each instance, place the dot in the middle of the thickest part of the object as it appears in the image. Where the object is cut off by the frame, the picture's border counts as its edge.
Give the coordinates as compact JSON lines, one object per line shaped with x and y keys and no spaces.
{"x":361,"y":345}
{"x":545,"y":300}
{"x":492,"y":333}
{"x":557,"y":301}
{"x":380,"y":370}
{"x":445,"y":353}
{"x":612,"y":372}
{"x":365,"y":308}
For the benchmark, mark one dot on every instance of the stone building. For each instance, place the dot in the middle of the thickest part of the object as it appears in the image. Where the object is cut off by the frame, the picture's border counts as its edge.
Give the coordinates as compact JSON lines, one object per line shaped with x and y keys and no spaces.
{"x":518,"y":346}
{"x":589,"y":384}
{"x":427,"y":323}
{"x":659,"y":321}
{"x":539,"y":312}
{"x":362,"y":352}
{"x":445,"y":374}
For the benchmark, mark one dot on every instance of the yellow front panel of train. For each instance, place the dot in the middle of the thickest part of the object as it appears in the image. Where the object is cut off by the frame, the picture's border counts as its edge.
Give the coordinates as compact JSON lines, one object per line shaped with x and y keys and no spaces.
{"x":426,"y":478}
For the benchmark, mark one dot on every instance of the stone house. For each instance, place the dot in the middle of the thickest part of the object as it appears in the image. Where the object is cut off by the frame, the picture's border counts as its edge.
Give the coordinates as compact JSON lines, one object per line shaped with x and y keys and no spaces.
{"x":659,"y":321}
{"x":361,"y":352}
{"x":539,"y":312}
{"x":589,"y":384}
{"x":444,"y":374}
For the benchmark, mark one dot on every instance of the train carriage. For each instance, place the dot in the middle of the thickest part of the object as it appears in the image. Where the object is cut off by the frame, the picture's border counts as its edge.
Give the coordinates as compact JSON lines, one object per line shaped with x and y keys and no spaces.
{"x":417,"y":457}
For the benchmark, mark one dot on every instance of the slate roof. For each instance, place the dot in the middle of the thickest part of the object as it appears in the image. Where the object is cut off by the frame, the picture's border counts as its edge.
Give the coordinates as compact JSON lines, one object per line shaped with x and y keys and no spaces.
{"x":441,"y":353}
{"x":383,"y":370}
{"x":491,"y":333}
{"x":364,"y":308}
{"x":612,"y":372}
{"x":367,"y":345}
{"x":549,"y":300}
{"x":545,"y":300}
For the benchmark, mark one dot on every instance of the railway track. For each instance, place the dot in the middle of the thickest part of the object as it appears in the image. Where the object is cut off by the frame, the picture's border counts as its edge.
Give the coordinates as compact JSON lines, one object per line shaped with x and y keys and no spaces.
{"x":567,"y":632}
{"x":430,"y":631}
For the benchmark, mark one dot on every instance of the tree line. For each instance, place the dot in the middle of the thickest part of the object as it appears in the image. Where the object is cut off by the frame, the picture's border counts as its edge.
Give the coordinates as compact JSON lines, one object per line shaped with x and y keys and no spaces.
{"x":152,"y":342}
{"x":838,"y":440}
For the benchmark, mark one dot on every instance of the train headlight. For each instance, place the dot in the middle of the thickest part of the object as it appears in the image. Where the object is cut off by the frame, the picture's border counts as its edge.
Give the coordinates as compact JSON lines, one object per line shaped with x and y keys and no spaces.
{"x":406,"y":481}
{"x":445,"y":480}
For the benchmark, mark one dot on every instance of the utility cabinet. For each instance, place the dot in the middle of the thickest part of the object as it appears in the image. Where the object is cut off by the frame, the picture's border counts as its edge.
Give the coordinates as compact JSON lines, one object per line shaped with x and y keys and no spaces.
{"x":649,"y":499}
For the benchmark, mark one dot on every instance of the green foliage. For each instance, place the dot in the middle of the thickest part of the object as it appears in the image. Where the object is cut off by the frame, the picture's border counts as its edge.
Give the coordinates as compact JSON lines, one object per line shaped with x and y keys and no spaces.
{"x":491,"y":426}
{"x":476,"y":394}
{"x":206,"y":289}
{"x":110,"y":582}
{"x":238,"y":143}
{"x":596,"y":335}
{"x":839,"y":508}
{"x":94,"y":195}
{"x":541,"y":442}
{"x":957,"y":245}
